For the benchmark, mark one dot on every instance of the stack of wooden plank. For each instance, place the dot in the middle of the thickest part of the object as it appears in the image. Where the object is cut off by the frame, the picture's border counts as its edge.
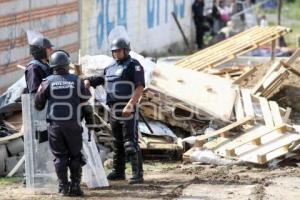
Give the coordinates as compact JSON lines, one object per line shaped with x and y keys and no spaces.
{"x":233,"y":47}
{"x":261,"y":133}
{"x":274,"y":77}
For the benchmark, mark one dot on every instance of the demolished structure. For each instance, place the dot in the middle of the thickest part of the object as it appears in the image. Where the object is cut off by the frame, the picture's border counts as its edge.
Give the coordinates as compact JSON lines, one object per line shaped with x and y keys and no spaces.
{"x":201,"y":97}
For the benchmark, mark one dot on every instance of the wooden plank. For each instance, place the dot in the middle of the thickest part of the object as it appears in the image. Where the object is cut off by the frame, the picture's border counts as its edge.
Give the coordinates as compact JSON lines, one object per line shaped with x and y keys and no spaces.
{"x":225,"y":53}
{"x":287,"y":115}
{"x":203,"y":138}
{"x":290,"y":68}
{"x":267,"y":115}
{"x":262,"y":158}
{"x":10,"y":125}
{"x":259,"y":85}
{"x":245,"y":75}
{"x":251,"y":136}
{"x":229,"y":49}
{"x":248,"y":107}
{"x":240,"y":50}
{"x":277,"y":119}
{"x":216,"y":143}
{"x":6,"y":139}
{"x":238,"y":107}
{"x":271,"y":88}
{"x":293,"y":57}
{"x":18,"y":165}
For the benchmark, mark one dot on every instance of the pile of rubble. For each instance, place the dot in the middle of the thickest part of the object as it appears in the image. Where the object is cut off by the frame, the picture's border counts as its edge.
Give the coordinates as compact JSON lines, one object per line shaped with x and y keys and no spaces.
{"x":198,"y":101}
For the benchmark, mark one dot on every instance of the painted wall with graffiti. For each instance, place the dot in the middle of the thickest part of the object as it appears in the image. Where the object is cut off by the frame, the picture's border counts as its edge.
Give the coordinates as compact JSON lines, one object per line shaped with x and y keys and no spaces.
{"x":150,"y":25}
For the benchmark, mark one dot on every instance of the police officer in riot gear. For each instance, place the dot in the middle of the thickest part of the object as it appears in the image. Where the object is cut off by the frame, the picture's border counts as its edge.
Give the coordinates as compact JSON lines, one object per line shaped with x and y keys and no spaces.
{"x":65,"y":93}
{"x":125,"y":82}
{"x":38,"y":68}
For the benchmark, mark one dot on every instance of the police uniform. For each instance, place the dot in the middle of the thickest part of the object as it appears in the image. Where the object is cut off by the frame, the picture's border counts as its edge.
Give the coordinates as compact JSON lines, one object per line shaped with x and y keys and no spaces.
{"x":121,"y":79}
{"x":35,"y":72}
{"x":64,"y":93}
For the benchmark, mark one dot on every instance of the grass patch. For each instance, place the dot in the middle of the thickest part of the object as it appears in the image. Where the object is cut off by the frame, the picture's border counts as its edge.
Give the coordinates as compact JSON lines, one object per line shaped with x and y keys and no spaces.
{"x":9,"y":181}
{"x":291,"y":38}
{"x":291,"y":10}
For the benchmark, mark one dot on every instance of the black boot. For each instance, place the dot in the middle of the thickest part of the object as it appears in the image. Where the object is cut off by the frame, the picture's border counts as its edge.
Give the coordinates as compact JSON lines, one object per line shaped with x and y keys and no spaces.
{"x":63,"y":183}
{"x":118,"y":171}
{"x":75,"y":189}
{"x":115,"y":175}
{"x":137,"y":168}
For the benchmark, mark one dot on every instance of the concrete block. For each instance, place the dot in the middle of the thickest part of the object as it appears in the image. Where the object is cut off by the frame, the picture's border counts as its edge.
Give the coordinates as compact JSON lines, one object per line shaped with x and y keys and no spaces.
{"x":15,"y":147}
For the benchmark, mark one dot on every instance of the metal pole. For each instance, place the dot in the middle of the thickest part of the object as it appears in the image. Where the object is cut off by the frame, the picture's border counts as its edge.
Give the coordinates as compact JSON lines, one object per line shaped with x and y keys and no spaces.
{"x":181,"y":31}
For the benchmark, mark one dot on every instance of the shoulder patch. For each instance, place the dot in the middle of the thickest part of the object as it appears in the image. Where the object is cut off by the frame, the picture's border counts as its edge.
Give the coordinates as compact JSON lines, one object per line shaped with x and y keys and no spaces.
{"x":138,"y":68}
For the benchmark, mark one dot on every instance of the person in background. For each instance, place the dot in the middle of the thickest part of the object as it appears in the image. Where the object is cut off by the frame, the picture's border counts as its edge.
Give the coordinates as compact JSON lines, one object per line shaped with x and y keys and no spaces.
{"x":199,"y":20}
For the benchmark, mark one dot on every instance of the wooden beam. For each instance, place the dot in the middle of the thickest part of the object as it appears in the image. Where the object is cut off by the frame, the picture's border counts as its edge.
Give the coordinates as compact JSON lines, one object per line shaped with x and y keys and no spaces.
{"x":244,"y":75}
{"x":287,"y":115}
{"x":202,"y":139}
{"x":290,"y":68}
{"x":273,"y":53}
{"x":238,"y":106}
{"x":248,"y":106}
{"x":277,"y":119}
{"x":267,"y":115}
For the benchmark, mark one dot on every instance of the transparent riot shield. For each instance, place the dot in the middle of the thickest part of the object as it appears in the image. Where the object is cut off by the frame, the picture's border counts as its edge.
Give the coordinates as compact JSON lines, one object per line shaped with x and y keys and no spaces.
{"x":39,"y":167}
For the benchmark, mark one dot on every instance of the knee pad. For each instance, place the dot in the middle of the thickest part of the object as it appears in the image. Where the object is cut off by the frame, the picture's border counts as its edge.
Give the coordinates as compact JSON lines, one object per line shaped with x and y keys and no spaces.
{"x":130,"y":148}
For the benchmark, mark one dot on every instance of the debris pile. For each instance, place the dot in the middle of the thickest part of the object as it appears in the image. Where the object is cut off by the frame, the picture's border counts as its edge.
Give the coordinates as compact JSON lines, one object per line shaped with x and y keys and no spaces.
{"x":197,"y":101}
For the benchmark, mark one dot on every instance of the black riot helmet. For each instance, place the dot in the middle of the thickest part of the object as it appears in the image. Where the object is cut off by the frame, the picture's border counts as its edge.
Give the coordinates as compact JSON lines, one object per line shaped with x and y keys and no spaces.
{"x":59,"y":59}
{"x":120,"y":43}
{"x":38,"y":48}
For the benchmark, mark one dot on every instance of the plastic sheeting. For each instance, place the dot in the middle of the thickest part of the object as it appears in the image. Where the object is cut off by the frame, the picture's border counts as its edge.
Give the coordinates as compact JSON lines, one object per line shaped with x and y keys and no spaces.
{"x":12,"y":95}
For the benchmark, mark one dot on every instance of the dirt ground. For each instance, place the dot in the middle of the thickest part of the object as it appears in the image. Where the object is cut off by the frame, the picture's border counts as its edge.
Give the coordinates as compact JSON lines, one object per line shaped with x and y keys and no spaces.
{"x":174,"y":180}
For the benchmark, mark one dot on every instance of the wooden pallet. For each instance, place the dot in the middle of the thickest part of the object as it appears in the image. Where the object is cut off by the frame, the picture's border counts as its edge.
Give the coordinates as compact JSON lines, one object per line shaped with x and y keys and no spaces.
{"x":264,"y":133}
{"x":229,"y":49}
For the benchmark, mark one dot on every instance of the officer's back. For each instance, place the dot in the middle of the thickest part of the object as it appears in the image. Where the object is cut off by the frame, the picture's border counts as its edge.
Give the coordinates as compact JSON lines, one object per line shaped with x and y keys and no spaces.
{"x":64,"y":93}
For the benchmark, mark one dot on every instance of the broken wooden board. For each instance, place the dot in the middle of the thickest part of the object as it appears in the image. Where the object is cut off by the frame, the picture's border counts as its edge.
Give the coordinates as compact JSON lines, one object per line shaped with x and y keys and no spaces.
{"x":200,"y":140}
{"x":198,"y":90}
